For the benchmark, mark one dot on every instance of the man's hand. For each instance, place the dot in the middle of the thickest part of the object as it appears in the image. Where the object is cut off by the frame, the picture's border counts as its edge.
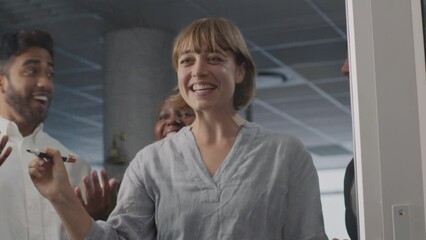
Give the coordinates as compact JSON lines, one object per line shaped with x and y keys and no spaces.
{"x":4,"y":153}
{"x":98,"y":196}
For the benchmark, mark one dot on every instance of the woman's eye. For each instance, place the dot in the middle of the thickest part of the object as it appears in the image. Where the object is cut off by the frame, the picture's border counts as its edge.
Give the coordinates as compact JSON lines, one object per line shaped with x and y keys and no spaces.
{"x":185,"y":61}
{"x":215,"y":59}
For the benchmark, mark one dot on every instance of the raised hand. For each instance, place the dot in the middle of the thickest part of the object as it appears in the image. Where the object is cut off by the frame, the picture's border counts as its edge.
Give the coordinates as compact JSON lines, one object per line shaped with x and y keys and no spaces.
{"x":4,"y":153}
{"x":98,"y":196}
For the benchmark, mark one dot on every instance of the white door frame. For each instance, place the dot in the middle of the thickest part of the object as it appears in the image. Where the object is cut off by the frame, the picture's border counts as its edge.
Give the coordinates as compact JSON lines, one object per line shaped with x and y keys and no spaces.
{"x":388,"y":91}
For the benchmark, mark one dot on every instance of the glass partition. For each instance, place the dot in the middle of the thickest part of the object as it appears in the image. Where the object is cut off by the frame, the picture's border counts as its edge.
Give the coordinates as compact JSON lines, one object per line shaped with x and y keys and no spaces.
{"x":299,"y":48}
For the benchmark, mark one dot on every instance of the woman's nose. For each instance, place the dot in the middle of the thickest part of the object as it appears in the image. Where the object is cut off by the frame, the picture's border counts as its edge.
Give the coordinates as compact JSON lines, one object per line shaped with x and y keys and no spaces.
{"x":199,"y":69}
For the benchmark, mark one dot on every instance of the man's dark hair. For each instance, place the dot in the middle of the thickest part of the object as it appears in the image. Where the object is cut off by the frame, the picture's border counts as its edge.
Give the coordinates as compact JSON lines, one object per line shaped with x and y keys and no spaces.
{"x":15,"y":43}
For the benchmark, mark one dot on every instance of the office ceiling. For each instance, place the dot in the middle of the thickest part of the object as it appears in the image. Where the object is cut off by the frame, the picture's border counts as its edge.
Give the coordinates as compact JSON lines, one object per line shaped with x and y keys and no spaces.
{"x":298,"y":46}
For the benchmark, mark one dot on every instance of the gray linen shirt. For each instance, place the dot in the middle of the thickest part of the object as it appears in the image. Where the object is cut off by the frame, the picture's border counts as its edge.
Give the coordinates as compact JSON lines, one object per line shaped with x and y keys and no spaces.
{"x":265,"y":189}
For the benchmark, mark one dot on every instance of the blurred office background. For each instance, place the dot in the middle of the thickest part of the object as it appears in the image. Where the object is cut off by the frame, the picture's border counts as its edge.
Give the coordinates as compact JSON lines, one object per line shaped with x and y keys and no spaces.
{"x":299,"y":47}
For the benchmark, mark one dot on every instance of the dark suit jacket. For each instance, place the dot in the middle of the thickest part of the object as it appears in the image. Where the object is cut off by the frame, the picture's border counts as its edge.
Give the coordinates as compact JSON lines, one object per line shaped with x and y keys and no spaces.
{"x":350,"y":217}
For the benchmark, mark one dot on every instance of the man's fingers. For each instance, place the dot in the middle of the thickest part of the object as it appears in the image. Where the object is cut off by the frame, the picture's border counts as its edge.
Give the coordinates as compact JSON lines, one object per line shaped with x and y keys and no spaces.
{"x":3,"y":142}
{"x":104,"y":178}
{"x":4,"y":153}
{"x":106,"y":186}
{"x":77,"y":192}
{"x":96,"y":185}
{"x":88,"y":187}
{"x":112,"y":183}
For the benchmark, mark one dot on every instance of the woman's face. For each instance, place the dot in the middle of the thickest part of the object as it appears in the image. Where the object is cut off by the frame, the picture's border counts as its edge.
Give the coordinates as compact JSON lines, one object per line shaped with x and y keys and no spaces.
{"x":207,"y":79}
{"x":171,"y":119}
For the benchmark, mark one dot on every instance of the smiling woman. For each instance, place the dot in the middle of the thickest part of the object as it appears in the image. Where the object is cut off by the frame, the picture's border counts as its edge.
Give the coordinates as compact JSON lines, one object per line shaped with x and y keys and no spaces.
{"x":220,"y":178}
{"x":112,"y":65}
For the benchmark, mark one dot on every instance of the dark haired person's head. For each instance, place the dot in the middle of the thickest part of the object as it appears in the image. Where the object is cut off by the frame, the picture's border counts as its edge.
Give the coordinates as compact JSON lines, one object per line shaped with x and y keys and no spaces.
{"x":26,"y":77}
{"x":174,"y":114}
{"x":15,"y":43}
{"x":345,"y":68}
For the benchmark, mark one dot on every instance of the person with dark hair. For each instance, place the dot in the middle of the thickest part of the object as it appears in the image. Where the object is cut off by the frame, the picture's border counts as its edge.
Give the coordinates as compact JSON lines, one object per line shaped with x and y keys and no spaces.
{"x":220,"y":178}
{"x":26,"y":90}
{"x":349,"y":186}
{"x":173,"y":115}
{"x":349,"y":193}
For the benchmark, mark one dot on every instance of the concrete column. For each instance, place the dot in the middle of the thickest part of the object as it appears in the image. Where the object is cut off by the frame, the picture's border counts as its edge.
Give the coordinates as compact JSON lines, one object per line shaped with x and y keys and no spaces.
{"x":139,"y":75}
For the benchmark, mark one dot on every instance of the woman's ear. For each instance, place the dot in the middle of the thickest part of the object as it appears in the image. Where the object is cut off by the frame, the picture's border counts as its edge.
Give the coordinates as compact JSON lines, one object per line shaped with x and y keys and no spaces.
{"x":241,"y":72}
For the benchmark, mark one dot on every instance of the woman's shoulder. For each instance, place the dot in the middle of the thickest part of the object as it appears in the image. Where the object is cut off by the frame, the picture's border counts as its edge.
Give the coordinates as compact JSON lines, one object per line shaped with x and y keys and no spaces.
{"x":273,"y":136}
{"x":164,"y":147}
{"x":277,"y":146}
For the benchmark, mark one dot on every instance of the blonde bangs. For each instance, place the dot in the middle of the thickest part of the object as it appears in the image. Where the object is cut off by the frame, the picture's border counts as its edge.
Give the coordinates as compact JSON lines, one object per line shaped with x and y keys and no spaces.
{"x":178,"y":101}
{"x":214,"y":34}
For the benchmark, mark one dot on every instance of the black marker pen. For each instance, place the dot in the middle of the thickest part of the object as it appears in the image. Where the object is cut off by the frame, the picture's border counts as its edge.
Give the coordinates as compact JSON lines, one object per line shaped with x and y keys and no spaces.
{"x":41,"y":154}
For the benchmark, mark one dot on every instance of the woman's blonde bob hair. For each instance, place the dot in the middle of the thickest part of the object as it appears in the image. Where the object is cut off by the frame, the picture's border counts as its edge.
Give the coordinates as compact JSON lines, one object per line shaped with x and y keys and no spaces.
{"x":176,"y":99}
{"x":219,"y":33}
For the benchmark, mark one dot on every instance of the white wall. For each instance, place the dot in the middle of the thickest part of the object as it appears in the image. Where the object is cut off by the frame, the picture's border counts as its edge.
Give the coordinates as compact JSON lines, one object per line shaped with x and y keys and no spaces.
{"x":333,"y":203}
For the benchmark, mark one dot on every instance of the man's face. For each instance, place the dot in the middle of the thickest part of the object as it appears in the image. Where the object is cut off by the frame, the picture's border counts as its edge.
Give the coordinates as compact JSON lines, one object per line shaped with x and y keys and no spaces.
{"x":27,"y":86}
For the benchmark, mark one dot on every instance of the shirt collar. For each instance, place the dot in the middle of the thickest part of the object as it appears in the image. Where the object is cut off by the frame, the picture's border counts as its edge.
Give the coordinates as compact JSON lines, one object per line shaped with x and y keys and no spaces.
{"x":10,"y":129}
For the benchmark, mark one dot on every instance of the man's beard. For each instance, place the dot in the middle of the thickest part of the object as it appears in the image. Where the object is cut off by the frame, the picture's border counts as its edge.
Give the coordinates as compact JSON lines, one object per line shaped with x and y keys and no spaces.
{"x":21,"y":105}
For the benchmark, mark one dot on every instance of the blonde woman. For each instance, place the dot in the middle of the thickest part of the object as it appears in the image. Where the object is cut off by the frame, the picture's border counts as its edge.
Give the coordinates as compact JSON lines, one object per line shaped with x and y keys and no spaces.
{"x":220,"y":178}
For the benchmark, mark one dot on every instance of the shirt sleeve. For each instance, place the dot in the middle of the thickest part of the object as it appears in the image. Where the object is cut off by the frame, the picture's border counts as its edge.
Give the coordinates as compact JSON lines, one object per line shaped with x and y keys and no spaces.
{"x":134,"y":215}
{"x":304,"y":220}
